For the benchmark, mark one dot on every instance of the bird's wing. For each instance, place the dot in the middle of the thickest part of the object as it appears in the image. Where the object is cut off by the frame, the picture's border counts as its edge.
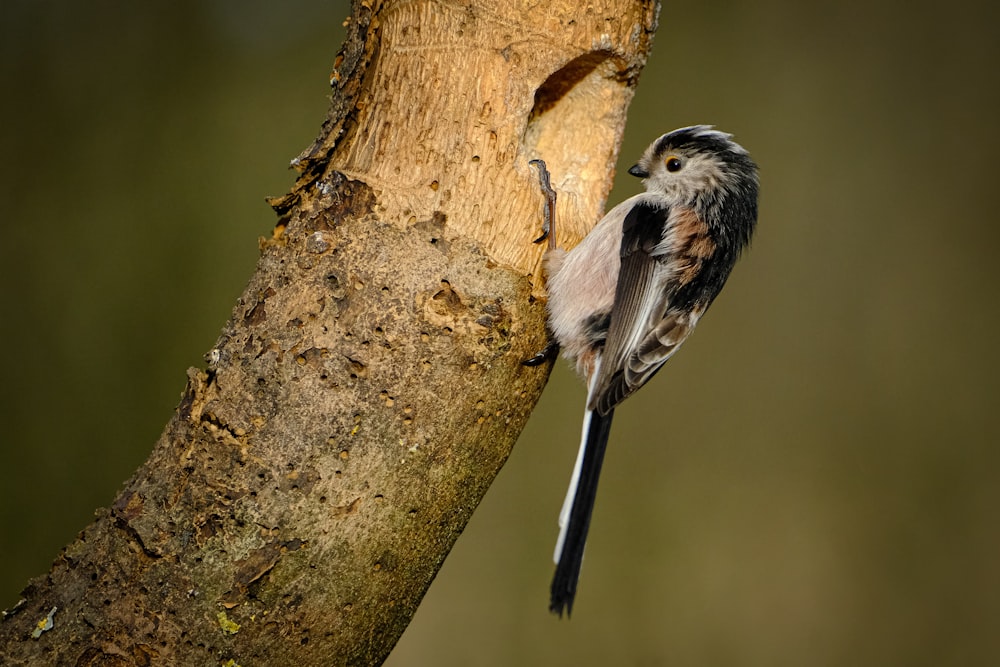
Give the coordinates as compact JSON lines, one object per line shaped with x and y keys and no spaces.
{"x":644,"y":332}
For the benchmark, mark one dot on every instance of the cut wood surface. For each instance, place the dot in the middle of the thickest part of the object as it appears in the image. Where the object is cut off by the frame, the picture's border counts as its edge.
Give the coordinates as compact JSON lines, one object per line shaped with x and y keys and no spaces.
{"x":368,"y":386}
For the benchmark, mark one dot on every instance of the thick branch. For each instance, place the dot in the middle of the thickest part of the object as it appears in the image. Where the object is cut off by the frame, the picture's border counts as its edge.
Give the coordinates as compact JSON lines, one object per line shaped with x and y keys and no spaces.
{"x":368,"y":386}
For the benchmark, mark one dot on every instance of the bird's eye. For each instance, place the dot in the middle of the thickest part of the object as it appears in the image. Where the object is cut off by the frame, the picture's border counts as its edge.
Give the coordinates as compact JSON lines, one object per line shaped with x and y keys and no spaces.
{"x":673,"y":163}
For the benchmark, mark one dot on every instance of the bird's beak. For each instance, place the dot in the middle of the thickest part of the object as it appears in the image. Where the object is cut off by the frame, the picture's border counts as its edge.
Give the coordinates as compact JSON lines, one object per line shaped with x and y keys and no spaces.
{"x":638,"y":171}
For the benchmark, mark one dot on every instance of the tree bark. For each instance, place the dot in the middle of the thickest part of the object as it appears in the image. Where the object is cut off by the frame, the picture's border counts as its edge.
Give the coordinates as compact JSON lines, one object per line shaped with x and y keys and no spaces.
{"x":368,"y":386}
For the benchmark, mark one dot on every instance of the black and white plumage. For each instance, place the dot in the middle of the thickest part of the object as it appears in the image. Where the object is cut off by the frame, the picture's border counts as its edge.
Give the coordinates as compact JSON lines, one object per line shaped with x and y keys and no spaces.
{"x":624,"y":300}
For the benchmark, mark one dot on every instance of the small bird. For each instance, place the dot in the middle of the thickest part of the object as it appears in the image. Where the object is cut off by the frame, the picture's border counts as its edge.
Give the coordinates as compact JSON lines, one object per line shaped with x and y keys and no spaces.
{"x":624,"y":300}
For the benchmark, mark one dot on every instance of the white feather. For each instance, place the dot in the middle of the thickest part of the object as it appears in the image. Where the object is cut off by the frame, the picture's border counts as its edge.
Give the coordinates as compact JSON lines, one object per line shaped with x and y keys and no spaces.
{"x":567,"y":505}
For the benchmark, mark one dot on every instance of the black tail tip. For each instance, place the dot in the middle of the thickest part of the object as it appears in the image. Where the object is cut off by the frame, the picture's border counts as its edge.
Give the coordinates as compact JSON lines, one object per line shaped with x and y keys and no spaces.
{"x":560,"y":602}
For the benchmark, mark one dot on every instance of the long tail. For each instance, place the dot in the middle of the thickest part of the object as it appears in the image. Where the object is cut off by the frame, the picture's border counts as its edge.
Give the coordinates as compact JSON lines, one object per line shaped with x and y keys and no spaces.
{"x":574,"y":519}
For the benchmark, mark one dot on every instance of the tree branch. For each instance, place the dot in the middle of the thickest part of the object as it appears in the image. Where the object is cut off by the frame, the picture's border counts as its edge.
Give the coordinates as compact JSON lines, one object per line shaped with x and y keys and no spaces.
{"x":368,"y":386}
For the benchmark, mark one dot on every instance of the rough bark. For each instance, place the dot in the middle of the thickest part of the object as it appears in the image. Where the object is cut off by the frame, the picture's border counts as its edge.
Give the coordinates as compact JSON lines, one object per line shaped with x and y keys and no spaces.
{"x":368,"y":385}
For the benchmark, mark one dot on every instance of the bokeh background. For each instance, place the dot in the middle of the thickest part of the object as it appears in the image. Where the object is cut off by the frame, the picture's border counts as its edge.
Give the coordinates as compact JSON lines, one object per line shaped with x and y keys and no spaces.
{"x":812,"y":481}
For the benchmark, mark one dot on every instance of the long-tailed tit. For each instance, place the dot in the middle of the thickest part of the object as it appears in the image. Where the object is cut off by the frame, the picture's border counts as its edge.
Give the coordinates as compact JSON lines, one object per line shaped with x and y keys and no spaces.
{"x":623,"y":300}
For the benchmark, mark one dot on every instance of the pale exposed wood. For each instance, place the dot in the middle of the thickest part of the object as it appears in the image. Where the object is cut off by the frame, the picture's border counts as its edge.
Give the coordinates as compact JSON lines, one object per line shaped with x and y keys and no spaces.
{"x":368,"y":386}
{"x":464,"y":95}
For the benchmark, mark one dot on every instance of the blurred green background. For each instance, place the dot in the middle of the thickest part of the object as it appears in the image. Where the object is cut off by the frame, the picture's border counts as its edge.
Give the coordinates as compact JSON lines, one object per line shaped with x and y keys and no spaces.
{"x":812,"y":481}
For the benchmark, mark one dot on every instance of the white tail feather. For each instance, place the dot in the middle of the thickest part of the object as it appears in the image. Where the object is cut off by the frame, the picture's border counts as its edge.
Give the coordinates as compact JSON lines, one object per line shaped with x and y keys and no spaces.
{"x":567,"y":505}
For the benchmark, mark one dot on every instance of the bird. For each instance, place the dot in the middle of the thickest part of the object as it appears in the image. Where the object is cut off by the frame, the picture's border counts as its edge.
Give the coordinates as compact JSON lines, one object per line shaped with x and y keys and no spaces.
{"x":623,"y":300}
